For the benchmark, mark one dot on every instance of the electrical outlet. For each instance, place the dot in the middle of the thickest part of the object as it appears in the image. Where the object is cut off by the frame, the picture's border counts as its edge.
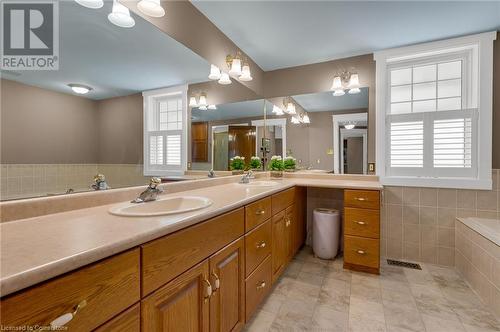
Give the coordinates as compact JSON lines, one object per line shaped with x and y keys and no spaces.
{"x":371,"y":167}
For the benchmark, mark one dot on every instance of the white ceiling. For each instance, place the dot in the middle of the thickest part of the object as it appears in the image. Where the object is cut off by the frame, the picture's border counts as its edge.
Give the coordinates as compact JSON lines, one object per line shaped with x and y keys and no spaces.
{"x":278,"y":34}
{"x":114,"y":61}
{"x":325,"y":101}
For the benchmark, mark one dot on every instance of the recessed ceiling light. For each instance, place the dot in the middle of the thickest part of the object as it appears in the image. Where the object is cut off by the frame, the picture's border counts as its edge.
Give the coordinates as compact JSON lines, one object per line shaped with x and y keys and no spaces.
{"x":120,"y":16}
{"x":92,"y":4}
{"x":80,"y":88}
{"x":151,"y":8}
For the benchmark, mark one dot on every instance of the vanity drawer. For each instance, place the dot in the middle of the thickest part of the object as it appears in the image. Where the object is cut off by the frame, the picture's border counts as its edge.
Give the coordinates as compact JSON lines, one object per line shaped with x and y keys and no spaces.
{"x":362,"y":251}
{"x":129,"y":321}
{"x":169,"y":256}
{"x":257,"y":212}
{"x":107,"y":287}
{"x":282,"y":200}
{"x":257,"y":286}
{"x":362,"y":222}
{"x":257,"y":246}
{"x":364,"y":199}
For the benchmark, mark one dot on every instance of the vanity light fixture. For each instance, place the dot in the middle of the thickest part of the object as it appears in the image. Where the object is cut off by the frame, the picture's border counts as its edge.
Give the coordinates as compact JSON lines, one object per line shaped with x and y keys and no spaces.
{"x":290,"y":108}
{"x":237,"y":68}
{"x":192,"y":101}
{"x":277,"y":110}
{"x":214,"y":73}
{"x":305,"y":119}
{"x":351,"y":80}
{"x":212,"y":107}
{"x":295,"y":120}
{"x":80,"y":88}
{"x":92,"y":4}
{"x":120,"y":16}
{"x":224,"y":79}
{"x":354,"y":84}
{"x":151,"y":8}
{"x":337,"y":87}
{"x":202,"y":102}
{"x":245,"y":74}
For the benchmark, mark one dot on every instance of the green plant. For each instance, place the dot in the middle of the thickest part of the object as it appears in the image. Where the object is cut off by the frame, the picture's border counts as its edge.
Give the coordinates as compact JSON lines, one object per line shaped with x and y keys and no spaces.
{"x":255,"y":162}
{"x":237,"y":163}
{"x":290,"y":163}
{"x":276,"y":163}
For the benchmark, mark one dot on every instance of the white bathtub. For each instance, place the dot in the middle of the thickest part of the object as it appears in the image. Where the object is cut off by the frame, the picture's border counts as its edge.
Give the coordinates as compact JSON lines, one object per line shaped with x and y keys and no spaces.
{"x":489,"y":228}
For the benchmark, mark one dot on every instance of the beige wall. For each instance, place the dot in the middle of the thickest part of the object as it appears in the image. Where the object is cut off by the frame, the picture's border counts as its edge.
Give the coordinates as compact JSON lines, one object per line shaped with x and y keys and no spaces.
{"x":46,"y":127}
{"x":120,"y":125}
{"x":40,"y":126}
{"x":496,"y":103}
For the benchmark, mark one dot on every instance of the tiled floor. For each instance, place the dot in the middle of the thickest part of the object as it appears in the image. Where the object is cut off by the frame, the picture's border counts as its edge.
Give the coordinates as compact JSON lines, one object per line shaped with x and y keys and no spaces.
{"x":317,"y":295}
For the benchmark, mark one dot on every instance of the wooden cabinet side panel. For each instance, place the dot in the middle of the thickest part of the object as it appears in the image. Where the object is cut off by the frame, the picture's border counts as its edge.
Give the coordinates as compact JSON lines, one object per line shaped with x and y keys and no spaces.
{"x":108,"y":286}
{"x":168,"y":257}
{"x":227,"y":304}
{"x":180,"y":305}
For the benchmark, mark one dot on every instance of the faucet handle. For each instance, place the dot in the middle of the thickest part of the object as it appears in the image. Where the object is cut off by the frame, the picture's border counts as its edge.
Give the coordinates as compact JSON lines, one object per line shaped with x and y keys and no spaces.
{"x":155,"y":181}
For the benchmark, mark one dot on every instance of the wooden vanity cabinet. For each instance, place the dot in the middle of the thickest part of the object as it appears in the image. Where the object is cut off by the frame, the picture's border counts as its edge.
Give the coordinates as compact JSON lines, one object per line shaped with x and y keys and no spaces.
{"x":183,"y":304}
{"x":280,"y":239}
{"x":362,"y":230}
{"x":129,"y":320}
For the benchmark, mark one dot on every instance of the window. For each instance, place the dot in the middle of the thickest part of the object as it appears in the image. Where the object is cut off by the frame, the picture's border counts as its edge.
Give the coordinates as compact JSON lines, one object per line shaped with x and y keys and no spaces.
{"x":165,"y":131}
{"x":434,"y":111}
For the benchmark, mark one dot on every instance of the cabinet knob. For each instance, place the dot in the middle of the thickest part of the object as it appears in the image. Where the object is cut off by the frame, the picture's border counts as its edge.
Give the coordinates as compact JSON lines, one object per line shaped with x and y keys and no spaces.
{"x":67,"y":317}
{"x":287,"y":222}
{"x":216,"y":282}
{"x":208,"y":291}
{"x":360,"y":222}
{"x":261,"y":245}
{"x":261,"y":285}
{"x":260,"y":212}
{"x":361,"y":252}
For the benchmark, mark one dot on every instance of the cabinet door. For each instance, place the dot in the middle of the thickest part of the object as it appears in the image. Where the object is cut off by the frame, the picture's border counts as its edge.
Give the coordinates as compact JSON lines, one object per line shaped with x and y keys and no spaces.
{"x":290,"y":232}
{"x":227,"y":275}
{"x":300,"y":217}
{"x":181,"y":305}
{"x":279,"y":252}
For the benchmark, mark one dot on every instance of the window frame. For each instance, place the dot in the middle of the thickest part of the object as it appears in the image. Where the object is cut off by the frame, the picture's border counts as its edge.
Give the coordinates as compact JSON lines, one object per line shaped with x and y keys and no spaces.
{"x":479,"y":73}
{"x":151,"y":101}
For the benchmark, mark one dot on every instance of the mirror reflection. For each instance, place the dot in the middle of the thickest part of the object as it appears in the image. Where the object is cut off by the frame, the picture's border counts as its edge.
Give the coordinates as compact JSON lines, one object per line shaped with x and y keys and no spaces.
{"x":86,"y":118}
{"x":325,"y":133}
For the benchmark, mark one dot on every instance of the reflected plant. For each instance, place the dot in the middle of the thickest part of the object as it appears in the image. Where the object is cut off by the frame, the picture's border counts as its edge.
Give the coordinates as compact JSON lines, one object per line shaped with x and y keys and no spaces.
{"x":276,"y":164}
{"x":237,"y":163}
{"x":290,"y":163}
{"x":255,"y":162}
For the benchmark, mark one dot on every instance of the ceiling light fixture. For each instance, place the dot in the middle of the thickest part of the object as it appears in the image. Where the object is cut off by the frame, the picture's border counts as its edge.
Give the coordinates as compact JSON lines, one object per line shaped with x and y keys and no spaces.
{"x":224,"y":79}
{"x":351,"y":80}
{"x":350,"y":125}
{"x":214,"y":73}
{"x":92,"y":4}
{"x":120,"y":16}
{"x":151,"y":8}
{"x":80,"y":88}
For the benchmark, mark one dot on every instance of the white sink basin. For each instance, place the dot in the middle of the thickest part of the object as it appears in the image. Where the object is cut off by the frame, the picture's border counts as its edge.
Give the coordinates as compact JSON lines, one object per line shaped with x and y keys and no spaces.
{"x":261,"y":184}
{"x":161,"y":207}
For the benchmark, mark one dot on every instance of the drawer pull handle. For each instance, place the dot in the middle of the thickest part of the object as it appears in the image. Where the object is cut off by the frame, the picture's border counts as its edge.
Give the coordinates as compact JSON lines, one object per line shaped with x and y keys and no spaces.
{"x":261,"y":285}
{"x":361,"y":252}
{"x":261,"y":245}
{"x":216,"y":282}
{"x":208,"y":290}
{"x":287,"y":222}
{"x":67,"y":317}
{"x":361,"y":199}
{"x":260,"y":212}
{"x":360,"y":222}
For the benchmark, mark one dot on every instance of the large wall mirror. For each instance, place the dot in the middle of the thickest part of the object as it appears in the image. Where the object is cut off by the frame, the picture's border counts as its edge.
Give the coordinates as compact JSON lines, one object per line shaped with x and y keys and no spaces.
{"x":53,"y":140}
{"x":325,"y":133}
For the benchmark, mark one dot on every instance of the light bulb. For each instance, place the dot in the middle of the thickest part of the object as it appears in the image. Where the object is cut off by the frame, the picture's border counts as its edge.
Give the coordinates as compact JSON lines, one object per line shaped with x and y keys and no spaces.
{"x":277,"y":110}
{"x":202,"y":108}
{"x":349,"y":125}
{"x":80,"y":88}
{"x":306,"y":119}
{"x":120,"y":16}
{"x":354,"y":81}
{"x":203,"y":101}
{"x":224,"y":79}
{"x":337,"y":83}
{"x":354,"y":91}
{"x":245,"y":74}
{"x":290,"y":108}
{"x":192,"y":102}
{"x":92,"y":4}
{"x":338,"y":93}
{"x":212,"y":107}
{"x":214,"y":72}
{"x":235,"y":67}
{"x":295,"y":120}
{"x":151,"y":8}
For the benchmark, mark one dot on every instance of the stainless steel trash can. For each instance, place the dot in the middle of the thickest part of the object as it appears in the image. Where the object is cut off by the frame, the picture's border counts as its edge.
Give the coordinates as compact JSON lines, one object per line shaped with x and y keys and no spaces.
{"x":326,"y":233}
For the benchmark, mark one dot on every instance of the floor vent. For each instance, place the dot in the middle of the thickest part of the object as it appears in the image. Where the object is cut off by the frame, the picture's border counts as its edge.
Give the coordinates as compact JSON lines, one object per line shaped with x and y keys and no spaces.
{"x":404,"y":264}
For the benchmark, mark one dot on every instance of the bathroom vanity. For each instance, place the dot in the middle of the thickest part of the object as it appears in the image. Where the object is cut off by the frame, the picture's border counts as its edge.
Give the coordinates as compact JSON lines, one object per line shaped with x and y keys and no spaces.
{"x":211,"y":275}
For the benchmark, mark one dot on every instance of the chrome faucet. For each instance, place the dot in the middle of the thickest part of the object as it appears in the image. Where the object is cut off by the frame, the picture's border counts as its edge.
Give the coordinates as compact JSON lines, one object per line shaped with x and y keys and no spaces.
{"x":246,"y":178}
{"x":151,"y":193}
{"x":211,"y":173}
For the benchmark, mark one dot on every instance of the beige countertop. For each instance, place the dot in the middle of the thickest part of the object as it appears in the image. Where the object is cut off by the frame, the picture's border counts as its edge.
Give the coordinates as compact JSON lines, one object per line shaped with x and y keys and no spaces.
{"x":39,"y":248}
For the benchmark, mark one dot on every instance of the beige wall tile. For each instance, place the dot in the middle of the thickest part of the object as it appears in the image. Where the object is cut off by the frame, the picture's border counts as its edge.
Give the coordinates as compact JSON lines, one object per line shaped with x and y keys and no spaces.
{"x":466,"y":199}
{"x":428,"y":215}
{"x":395,"y":229}
{"x":464,"y":213}
{"x":393,"y":195}
{"x":446,"y":237}
{"x":487,"y":200}
{"x":411,"y":251}
{"x":447,"y":198}
{"x":395,"y":247}
{"x":429,"y":235}
{"x":411,"y":233}
{"x":429,"y":254}
{"x":496,"y":301}
{"x":411,"y":214}
{"x":395,"y":212}
{"x":446,"y":217}
{"x":411,"y":196}
{"x":428,"y":197}
{"x":446,"y":256}
{"x":487,"y":214}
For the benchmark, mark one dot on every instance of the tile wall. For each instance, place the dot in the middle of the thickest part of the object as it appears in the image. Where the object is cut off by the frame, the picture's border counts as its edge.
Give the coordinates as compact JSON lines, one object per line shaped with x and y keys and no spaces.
{"x":477,"y":259}
{"x":418,"y":224}
{"x":31,"y":180}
